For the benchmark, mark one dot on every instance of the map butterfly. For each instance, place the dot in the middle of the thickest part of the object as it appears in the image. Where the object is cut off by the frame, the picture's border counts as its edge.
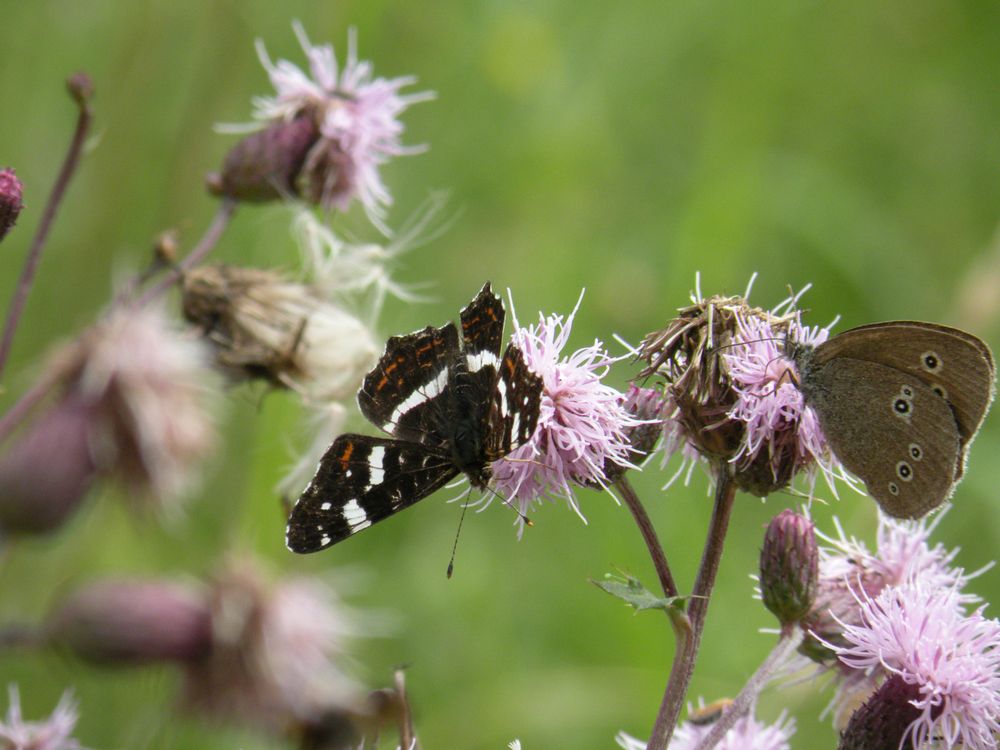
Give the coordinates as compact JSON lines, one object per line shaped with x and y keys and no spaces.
{"x":446,"y":409}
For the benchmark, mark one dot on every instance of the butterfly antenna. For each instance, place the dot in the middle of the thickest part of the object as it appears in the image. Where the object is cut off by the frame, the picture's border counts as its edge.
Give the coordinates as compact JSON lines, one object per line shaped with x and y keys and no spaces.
{"x":454,"y":547}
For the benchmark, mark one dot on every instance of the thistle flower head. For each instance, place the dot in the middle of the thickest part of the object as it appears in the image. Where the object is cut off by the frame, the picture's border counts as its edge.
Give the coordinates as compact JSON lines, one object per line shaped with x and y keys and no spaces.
{"x":725,"y":367}
{"x":746,"y":734}
{"x":278,"y":650}
{"x":582,"y":422}
{"x":946,"y":664}
{"x":11,"y":203}
{"x":356,"y":120}
{"x":53,"y":734}
{"x":846,"y":565}
{"x":265,"y":326}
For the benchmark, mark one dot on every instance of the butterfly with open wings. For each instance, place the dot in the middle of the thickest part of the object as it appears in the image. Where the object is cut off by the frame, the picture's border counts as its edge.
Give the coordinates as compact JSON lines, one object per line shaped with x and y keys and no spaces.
{"x":446,"y":409}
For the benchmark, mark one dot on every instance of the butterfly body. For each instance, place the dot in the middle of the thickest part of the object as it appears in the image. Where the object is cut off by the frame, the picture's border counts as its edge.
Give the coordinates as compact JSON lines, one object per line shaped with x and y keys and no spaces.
{"x":899,"y":404}
{"x":447,"y":410}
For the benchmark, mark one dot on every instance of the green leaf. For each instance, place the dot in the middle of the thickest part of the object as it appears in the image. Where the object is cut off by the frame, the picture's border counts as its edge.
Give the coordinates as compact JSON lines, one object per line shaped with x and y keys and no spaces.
{"x":632,"y":592}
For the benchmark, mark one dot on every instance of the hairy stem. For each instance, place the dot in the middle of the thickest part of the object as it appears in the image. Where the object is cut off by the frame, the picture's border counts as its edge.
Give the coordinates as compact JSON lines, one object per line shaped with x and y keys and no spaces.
{"x":205,"y":245}
{"x":788,"y":641}
{"x":687,"y":647}
{"x":648,"y":536}
{"x":27,"y":278}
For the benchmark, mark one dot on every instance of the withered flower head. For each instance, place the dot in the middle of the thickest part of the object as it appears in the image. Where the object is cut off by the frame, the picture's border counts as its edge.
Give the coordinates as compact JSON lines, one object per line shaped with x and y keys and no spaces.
{"x":726,"y":370}
{"x":147,"y":386}
{"x":279,"y":650}
{"x":265,"y":326}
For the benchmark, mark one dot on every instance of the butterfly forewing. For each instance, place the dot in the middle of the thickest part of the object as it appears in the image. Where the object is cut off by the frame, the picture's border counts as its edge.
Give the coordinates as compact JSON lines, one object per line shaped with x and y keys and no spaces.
{"x":361,"y":480}
{"x":400,"y":393}
{"x":952,"y":363}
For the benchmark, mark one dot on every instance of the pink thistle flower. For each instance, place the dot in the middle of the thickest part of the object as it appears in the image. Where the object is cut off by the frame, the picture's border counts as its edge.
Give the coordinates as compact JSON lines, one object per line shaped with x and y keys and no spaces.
{"x":583,"y":423}
{"x":357,"y":117}
{"x":53,"y":734}
{"x":776,"y":420}
{"x":920,"y":635}
{"x":746,"y":734}
{"x":903,"y":554}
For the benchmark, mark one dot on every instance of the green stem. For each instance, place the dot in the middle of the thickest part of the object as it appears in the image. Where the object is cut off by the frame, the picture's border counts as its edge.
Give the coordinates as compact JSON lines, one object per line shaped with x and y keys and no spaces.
{"x":27,"y":279}
{"x":788,"y":641}
{"x":648,"y":536}
{"x":687,"y":647}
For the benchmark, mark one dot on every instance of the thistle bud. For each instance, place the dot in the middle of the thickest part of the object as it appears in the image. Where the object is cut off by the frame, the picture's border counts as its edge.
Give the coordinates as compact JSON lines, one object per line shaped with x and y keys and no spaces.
{"x":11,"y":204}
{"x":46,"y":474}
{"x":265,"y":165}
{"x":789,"y":566}
{"x":120,"y":622}
{"x":884,"y":718}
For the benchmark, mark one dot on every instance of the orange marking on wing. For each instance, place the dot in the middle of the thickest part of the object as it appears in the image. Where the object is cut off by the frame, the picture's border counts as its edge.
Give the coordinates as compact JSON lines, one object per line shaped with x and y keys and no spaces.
{"x":381,"y":383}
{"x":345,"y":457}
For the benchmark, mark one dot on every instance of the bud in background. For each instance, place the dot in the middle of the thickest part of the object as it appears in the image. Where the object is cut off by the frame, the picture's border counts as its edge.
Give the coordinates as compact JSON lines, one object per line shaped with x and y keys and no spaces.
{"x":789,"y":567}
{"x":264,"y":326}
{"x":327,"y":133}
{"x":134,"y":621}
{"x":11,"y":204}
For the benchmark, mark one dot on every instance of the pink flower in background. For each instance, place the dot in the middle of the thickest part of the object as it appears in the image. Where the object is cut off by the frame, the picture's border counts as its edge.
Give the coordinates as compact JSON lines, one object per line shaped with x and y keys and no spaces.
{"x":357,"y":116}
{"x":746,"y":734}
{"x":920,"y":636}
{"x":582,"y":422}
{"x":52,"y":734}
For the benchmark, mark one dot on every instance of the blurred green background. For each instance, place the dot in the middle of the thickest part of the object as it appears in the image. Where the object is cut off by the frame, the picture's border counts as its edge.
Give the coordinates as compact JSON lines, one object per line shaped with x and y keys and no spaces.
{"x":619,"y":147}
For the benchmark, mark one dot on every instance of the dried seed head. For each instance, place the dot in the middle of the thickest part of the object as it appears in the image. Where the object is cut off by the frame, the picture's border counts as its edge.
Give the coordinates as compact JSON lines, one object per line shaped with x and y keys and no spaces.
{"x":147,"y":391}
{"x":687,"y":354}
{"x":727,"y":371}
{"x":278,"y":651}
{"x":264,"y":326}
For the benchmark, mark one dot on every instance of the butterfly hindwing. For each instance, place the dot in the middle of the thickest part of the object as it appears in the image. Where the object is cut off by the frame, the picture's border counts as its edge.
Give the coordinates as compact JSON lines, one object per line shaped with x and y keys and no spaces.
{"x":398,"y":395}
{"x":482,"y":330}
{"x":516,"y":401}
{"x":360,"y":481}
